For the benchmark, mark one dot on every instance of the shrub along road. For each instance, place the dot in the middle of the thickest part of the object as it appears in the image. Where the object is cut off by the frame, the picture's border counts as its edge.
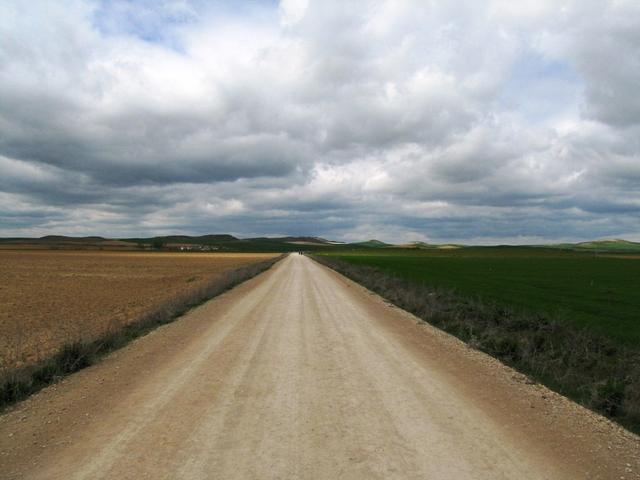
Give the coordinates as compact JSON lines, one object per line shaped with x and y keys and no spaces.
{"x":300,"y":373}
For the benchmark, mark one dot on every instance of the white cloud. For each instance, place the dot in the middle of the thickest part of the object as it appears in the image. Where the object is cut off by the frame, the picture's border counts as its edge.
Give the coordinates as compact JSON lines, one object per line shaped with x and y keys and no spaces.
{"x":435,"y":120}
{"x":292,"y":11}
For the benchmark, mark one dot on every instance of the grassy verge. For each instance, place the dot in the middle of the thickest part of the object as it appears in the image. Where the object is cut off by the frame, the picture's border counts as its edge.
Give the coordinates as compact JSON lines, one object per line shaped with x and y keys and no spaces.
{"x":589,"y":367}
{"x":18,"y":384}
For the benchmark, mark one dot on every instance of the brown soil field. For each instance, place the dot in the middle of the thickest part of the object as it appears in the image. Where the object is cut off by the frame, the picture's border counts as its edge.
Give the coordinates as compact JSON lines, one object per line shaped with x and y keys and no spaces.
{"x":49,"y":298}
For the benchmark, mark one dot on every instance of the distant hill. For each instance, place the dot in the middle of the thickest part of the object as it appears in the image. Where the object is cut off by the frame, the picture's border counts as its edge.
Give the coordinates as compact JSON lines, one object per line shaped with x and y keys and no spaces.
{"x":304,"y":240}
{"x":186,"y":239}
{"x":213,"y":242}
{"x":430,"y":246}
{"x":419,"y":245}
{"x":610,"y":245}
{"x":370,"y":244}
{"x":62,"y":238}
{"x":616,"y":245}
{"x":62,"y":242}
{"x":230,"y":243}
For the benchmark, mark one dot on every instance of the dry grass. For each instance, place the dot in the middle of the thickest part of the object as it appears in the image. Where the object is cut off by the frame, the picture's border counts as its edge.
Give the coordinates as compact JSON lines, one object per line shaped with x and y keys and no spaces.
{"x":53,"y":298}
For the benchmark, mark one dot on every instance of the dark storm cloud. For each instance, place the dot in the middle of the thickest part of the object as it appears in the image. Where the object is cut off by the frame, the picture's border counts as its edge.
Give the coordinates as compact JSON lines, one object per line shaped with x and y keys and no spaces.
{"x":485,"y":121}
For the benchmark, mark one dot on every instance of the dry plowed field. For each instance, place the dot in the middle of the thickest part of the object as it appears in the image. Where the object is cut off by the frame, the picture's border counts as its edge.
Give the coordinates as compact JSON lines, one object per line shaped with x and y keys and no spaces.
{"x":49,"y":298}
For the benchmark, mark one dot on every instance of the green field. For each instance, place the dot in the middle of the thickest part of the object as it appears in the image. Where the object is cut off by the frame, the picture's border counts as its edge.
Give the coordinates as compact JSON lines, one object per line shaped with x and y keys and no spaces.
{"x":598,"y":291}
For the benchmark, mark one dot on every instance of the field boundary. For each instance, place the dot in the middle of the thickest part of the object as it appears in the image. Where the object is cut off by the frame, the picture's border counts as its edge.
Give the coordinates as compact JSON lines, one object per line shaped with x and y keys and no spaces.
{"x":585,"y":366}
{"x":18,"y":384}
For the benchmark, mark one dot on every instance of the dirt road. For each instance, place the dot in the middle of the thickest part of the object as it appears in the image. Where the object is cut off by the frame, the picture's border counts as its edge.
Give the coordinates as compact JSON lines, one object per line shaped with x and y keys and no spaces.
{"x":299,"y":373}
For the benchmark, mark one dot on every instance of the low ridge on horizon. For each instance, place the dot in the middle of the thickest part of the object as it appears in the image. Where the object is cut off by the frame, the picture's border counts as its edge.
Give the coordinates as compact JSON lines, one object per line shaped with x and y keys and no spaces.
{"x":613,"y":244}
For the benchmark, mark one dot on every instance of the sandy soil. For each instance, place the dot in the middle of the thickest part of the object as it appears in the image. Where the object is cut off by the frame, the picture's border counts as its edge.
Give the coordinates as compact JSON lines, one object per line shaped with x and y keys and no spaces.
{"x":299,"y":373}
{"x":49,"y":298}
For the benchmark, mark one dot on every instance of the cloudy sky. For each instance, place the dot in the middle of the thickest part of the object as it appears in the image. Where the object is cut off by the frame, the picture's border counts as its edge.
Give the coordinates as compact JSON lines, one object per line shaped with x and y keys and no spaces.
{"x":451,"y":120}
